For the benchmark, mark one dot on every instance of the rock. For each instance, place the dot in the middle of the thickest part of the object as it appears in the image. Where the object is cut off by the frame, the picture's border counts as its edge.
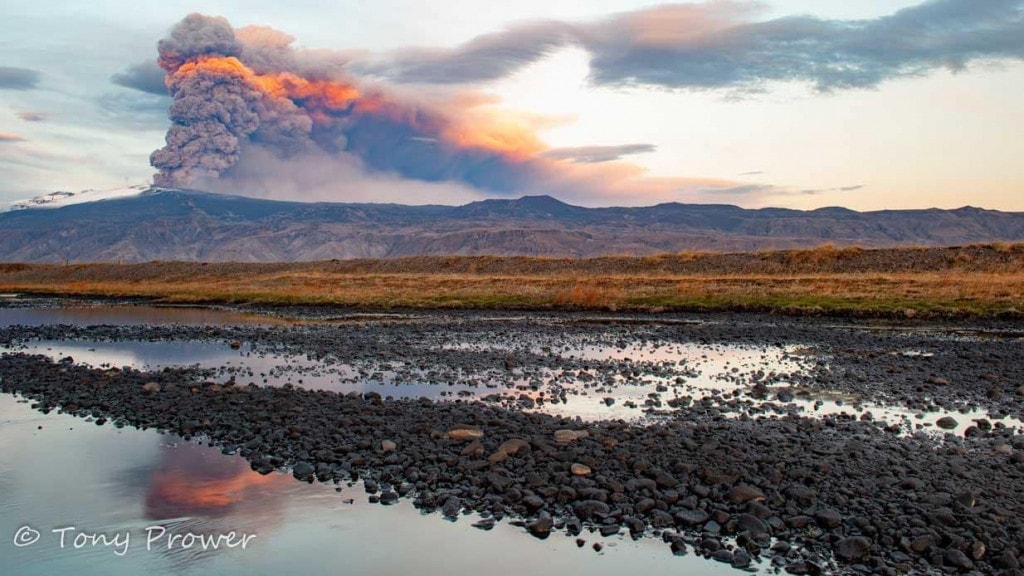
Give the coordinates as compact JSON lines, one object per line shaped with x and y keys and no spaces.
{"x":852,"y":549}
{"x":303,"y":471}
{"x":150,"y":387}
{"x":500,"y":482}
{"x":388,"y":446}
{"x":943,"y":516}
{"x":946,"y":423}
{"x":541,"y":527}
{"x":691,"y":518}
{"x":461,"y":434}
{"x":235,"y":344}
{"x":967,"y":498}
{"x":588,"y":509}
{"x":678,"y":547}
{"x":661,"y":519}
{"x":828,"y":518}
{"x":644,"y":506}
{"x":570,"y":436}
{"x":938,"y":381}
{"x":802,"y":495}
{"x":451,"y":507}
{"x":711,"y":544}
{"x":740,"y":559}
{"x":1007,"y":561}
{"x":580,"y":470}
{"x":665,"y":480}
{"x":474,"y":449}
{"x":922,"y":544}
{"x":752,"y":524}
{"x":713,"y":477}
{"x":484,"y":524}
{"x":958,"y":559}
{"x":514,"y":446}
{"x":723,"y":556}
{"x":743,"y":493}
{"x":609,"y":529}
{"x":636,"y":526}
{"x":388,"y":498}
{"x":803,"y":567}
{"x":978,"y":550}
{"x":759,"y":510}
{"x":533,"y":502}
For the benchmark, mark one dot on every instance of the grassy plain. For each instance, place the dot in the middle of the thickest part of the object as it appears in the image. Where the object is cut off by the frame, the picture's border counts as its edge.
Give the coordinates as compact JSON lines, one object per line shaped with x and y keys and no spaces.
{"x":979,"y":280}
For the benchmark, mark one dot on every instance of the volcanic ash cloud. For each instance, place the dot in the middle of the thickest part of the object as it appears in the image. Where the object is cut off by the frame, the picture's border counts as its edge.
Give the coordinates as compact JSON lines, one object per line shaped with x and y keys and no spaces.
{"x":236,"y":90}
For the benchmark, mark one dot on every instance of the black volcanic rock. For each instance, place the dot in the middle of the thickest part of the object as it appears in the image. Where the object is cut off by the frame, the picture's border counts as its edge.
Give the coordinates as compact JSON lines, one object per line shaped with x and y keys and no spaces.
{"x":164,"y":224}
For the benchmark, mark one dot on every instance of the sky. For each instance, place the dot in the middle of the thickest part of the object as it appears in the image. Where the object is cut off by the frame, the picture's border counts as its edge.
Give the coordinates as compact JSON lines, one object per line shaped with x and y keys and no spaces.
{"x":874,"y":104}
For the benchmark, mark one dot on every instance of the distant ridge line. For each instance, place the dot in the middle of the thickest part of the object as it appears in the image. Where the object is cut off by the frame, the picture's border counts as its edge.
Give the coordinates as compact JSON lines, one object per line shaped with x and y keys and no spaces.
{"x":171,"y":224}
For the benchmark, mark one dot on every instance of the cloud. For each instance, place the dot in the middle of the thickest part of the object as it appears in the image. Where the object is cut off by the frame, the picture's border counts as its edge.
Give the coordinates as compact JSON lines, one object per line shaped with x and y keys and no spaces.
{"x":741,"y":190}
{"x":6,"y":138}
{"x":723,"y":45}
{"x":597,"y":154}
{"x":12,"y":78}
{"x":817,"y":191}
{"x":133,"y":110}
{"x":753,"y":173}
{"x":253,"y":115}
{"x":486,"y":57}
{"x":31,"y":116}
{"x":145,"y":76}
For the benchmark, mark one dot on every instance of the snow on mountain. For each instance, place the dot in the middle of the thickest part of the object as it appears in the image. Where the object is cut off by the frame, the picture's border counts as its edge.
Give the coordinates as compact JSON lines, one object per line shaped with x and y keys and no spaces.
{"x":63,"y":198}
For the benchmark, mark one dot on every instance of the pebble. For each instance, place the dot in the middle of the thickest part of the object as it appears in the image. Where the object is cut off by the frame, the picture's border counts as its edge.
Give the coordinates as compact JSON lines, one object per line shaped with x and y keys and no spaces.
{"x":580,"y":470}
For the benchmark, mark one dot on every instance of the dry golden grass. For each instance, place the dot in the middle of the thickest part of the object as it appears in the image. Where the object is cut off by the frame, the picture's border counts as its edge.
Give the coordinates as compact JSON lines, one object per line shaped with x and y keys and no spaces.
{"x":978,"y":280}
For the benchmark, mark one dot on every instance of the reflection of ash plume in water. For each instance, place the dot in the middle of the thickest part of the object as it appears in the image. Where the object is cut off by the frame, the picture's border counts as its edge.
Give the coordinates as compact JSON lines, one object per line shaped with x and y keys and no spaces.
{"x":195,"y":481}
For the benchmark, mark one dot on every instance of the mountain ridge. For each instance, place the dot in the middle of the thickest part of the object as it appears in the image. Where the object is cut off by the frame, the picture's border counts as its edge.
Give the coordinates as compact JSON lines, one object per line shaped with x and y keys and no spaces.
{"x":172,"y":224}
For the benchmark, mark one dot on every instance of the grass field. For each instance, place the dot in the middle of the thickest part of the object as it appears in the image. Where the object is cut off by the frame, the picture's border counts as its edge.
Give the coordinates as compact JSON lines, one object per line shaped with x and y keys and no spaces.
{"x":981,"y":280}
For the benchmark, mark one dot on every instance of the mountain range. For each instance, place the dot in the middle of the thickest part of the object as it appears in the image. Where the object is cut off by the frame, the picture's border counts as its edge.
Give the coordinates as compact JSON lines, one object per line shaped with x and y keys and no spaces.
{"x":169,"y":224}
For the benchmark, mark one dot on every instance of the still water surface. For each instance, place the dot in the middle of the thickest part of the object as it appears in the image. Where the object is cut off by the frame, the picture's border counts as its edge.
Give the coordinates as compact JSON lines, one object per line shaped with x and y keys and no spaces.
{"x":105,"y":481}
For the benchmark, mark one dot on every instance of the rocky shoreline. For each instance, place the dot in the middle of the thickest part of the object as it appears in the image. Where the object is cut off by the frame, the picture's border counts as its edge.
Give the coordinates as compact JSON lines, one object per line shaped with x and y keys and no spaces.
{"x":740,"y":478}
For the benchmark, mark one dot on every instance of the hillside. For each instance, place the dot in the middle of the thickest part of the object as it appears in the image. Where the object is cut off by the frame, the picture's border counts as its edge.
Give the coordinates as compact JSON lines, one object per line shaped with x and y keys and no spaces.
{"x":164,"y":224}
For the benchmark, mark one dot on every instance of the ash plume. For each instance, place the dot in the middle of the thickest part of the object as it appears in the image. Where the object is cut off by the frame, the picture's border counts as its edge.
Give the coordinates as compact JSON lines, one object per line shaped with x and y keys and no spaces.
{"x":239,"y":90}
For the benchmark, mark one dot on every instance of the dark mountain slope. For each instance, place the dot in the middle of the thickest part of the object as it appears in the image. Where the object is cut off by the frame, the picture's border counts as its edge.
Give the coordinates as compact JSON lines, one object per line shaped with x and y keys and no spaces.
{"x":187,"y":225}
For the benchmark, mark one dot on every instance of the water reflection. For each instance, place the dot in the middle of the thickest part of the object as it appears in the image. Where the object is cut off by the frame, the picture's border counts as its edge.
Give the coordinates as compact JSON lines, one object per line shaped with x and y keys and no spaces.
{"x":103,"y":480}
{"x":85,"y":314}
{"x":197,"y":481}
{"x":667,"y":371}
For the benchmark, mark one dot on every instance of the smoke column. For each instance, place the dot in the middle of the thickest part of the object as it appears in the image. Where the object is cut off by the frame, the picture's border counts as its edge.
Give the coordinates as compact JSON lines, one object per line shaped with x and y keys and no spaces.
{"x":235,"y":90}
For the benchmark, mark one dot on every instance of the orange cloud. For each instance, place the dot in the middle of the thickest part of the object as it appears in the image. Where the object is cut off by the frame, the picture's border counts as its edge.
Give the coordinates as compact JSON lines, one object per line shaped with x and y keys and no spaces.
{"x":244,"y":92}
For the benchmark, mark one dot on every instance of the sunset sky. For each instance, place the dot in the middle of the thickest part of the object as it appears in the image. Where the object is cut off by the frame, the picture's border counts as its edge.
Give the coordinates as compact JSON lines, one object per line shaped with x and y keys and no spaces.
{"x":871,"y":105}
